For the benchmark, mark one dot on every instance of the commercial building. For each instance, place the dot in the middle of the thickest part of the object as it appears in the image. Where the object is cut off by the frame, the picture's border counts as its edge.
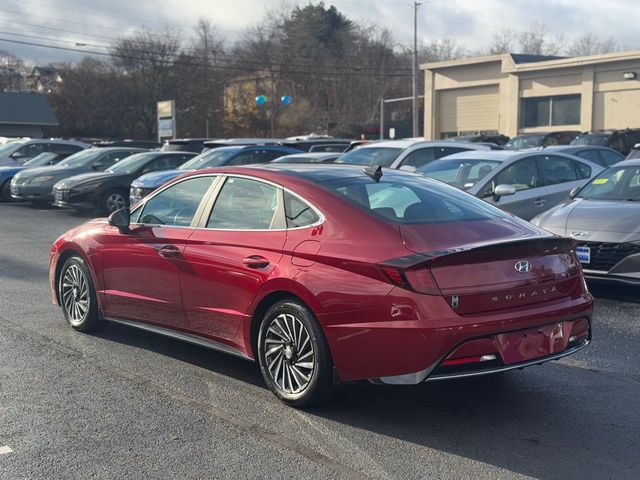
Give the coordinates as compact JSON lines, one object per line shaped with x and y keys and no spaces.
{"x":513,"y":94}
{"x":25,"y":115}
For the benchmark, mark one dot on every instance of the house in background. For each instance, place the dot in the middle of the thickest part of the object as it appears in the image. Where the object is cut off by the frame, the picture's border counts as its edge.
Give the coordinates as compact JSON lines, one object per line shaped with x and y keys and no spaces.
{"x":25,"y":115}
{"x":43,"y":79}
{"x":514,"y":94}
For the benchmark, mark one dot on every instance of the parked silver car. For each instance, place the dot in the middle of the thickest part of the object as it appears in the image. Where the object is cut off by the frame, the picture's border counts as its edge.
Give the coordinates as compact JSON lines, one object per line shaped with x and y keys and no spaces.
{"x":407,"y":154}
{"x":524,"y":183}
{"x":18,"y":152}
{"x":604,"y":217}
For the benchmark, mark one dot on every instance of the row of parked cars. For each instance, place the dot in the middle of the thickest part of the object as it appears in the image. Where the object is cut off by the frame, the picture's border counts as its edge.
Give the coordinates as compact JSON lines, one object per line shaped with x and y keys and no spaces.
{"x":532,"y":183}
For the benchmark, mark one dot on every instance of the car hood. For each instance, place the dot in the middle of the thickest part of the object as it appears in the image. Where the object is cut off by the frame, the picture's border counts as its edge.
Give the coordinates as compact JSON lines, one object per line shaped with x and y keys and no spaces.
{"x":55,"y":170}
{"x":155,"y":179}
{"x":86,"y":178}
{"x":593,"y":220}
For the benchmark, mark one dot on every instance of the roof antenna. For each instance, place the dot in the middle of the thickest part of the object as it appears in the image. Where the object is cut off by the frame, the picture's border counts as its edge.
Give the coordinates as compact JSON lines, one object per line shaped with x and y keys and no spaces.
{"x":374,"y":172}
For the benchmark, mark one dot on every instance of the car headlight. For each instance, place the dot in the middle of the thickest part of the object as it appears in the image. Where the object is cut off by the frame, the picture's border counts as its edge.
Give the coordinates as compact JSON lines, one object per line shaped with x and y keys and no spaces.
{"x":42,"y":179}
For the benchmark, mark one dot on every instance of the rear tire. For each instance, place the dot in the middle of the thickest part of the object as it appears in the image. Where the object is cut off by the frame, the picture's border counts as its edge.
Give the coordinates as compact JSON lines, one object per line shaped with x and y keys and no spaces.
{"x":77,"y":295}
{"x":294,"y":355}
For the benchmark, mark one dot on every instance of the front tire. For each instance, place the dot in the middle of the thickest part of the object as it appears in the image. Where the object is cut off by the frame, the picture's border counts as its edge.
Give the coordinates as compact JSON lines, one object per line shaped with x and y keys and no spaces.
{"x":114,"y":200}
{"x":78,"y":296}
{"x":294,"y":355}
{"x":5,"y":191}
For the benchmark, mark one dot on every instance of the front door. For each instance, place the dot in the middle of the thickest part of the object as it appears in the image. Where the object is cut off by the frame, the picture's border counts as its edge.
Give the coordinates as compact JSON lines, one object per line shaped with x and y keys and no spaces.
{"x":238,"y":248}
{"x":142,"y":266}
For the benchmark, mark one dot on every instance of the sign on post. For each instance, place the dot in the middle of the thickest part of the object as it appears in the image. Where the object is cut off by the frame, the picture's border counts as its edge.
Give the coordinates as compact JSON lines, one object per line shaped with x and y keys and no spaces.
{"x":166,"y":120}
{"x":392,"y":133}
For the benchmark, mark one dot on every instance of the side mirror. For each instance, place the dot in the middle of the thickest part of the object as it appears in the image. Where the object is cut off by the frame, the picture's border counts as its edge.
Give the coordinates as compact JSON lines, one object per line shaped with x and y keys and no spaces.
{"x":120,"y":219}
{"x":503,"y":191}
{"x":407,"y":168}
{"x":17,"y":155}
{"x":574,"y":192}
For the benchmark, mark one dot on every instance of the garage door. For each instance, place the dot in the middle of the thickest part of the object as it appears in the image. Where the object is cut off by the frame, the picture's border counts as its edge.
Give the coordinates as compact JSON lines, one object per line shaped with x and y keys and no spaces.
{"x":617,"y":109}
{"x":468,"y":110}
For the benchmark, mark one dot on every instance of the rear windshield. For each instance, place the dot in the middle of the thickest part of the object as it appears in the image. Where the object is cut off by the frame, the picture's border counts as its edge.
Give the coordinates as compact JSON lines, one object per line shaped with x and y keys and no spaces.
{"x":460,"y":172}
{"x":601,"y":139}
{"x":371,"y":156}
{"x":525,"y":141}
{"x":412,"y":200}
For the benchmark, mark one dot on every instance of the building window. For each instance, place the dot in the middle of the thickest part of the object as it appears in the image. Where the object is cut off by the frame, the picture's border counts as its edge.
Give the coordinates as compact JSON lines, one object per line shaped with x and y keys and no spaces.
{"x":551,"y":111}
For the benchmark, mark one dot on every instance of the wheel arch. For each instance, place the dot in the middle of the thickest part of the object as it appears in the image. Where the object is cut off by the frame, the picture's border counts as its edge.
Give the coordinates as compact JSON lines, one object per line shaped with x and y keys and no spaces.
{"x":71,"y":251}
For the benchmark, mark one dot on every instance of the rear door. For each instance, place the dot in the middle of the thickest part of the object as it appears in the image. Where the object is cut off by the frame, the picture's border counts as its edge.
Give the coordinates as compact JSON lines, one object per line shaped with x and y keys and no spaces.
{"x":524,"y":176}
{"x":236,"y":249}
{"x":560,"y":176}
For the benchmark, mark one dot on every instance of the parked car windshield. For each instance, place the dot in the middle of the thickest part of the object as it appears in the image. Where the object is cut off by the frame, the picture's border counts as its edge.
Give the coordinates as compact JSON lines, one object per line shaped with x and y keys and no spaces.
{"x":9,"y":147}
{"x":615,"y":183}
{"x":210,"y":158}
{"x":460,"y":172}
{"x":601,"y":139}
{"x":82,"y":158}
{"x":131,"y":163}
{"x":412,"y":200}
{"x":524,"y":141}
{"x":40,"y":160}
{"x":371,"y":156}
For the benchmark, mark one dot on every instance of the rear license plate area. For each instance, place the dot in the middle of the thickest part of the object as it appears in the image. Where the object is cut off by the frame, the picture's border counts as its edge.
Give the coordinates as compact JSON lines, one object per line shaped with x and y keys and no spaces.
{"x":517,"y":347}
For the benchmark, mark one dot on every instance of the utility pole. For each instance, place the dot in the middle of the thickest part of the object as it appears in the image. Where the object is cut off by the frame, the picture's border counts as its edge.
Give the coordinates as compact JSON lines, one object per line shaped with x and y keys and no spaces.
{"x":415,"y":68}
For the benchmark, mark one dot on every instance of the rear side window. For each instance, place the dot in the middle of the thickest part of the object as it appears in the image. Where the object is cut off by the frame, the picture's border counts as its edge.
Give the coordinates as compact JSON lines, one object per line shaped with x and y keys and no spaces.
{"x":444,"y":151}
{"x":298,"y":212}
{"x":245,"y":204}
{"x":412,"y":200}
{"x":591,"y":155}
{"x":177,"y":204}
{"x":558,"y":170}
{"x":611,"y":157}
{"x":64,"y":148}
{"x":419,"y":157}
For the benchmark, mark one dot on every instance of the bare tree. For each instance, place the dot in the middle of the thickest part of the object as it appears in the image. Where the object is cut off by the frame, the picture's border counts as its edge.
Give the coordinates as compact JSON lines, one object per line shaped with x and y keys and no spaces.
{"x":441,"y":50}
{"x":591,"y":44}
{"x":536,"y":40}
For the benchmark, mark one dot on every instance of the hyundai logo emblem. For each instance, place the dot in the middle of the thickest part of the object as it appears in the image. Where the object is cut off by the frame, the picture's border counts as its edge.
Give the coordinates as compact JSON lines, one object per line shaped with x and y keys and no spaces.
{"x":579,"y":234}
{"x":523,"y":266}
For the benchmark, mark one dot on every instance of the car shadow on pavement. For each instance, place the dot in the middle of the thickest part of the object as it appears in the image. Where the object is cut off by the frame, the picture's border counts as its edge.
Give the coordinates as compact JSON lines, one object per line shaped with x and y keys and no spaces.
{"x":212,"y":360}
{"x":624,"y":293}
{"x":16,"y":269}
{"x":542,"y":422}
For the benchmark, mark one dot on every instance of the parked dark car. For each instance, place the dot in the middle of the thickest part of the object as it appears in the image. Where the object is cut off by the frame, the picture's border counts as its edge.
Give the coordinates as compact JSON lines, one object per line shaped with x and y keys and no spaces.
{"x":601,"y":155}
{"x":621,"y":140}
{"x":329,"y":273}
{"x":532,"y":140}
{"x":195,"y":145}
{"x":234,"y":142}
{"x":36,"y":184}
{"x":634,"y":153}
{"x":319,"y":144}
{"x":497,"y":139}
{"x":308,"y":157}
{"x":238,"y":155}
{"x":146,"y":144}
{"x":109,"y":190}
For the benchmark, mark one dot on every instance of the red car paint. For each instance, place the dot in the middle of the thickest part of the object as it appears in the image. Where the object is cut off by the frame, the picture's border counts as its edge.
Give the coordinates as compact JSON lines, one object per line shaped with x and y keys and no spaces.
{"x":345,"y":269}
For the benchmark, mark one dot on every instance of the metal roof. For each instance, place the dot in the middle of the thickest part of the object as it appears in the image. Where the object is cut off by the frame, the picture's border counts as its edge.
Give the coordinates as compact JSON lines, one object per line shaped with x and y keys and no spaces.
{"x":26,"y":109}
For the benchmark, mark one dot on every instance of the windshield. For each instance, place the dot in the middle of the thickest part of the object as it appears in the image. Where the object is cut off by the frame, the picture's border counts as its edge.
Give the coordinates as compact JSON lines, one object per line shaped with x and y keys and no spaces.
{"x":460,"y":172}
{"x":615,"y":183}
{"x":45,"y":158}
{"x":210,"y":158}
{"x":371,"y":156}
{"x":9,"y":148}
{"x":592,"y":139}
{"x":412,"y":200}
{"x":131,"y":163}
{"x":524,"y":141}
{"x":83,"y":158}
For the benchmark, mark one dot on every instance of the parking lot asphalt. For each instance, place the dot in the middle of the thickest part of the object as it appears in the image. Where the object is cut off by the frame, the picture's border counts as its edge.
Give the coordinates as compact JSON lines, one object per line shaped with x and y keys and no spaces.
{"x":129,"y":404}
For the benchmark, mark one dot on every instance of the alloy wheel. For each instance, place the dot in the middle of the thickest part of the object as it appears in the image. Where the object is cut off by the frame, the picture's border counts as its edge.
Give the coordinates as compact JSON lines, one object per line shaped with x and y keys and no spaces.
{"x":75,"y":294}
{"x":288,"y":353}
{"x":115,"y":201}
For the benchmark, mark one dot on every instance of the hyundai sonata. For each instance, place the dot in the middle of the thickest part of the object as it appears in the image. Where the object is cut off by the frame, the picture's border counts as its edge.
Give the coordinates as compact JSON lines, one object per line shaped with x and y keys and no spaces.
{"x":328,"y":274}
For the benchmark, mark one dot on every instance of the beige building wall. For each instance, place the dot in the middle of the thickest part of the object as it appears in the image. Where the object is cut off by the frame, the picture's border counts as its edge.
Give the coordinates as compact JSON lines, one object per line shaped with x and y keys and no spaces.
{"x":486,"y":93}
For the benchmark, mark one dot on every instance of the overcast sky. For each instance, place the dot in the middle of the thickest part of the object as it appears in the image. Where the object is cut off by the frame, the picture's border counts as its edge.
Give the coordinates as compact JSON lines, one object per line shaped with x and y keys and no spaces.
{"x":94,"y":23}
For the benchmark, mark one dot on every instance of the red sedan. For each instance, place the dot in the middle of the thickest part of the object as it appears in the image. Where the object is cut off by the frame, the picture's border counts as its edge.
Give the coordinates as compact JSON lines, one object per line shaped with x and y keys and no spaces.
{"x":328,"y":274}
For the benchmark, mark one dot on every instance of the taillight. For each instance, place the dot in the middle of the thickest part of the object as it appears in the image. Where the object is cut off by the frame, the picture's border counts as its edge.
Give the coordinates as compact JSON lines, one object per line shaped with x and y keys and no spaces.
{"x":418,"y":279}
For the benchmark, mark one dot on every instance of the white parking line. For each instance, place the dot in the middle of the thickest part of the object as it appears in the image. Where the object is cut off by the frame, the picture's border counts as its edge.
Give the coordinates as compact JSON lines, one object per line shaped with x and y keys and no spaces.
{"x":5,"y":449}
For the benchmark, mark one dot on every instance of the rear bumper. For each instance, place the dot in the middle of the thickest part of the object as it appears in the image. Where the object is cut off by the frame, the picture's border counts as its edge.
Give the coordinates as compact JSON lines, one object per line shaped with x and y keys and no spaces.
{"x":410,"y":350}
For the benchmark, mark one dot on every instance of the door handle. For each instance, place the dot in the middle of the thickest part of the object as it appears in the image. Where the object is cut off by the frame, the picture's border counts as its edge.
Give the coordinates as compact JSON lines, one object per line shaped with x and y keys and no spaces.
{"x":255,"y":261}
{"x":169,"y":251}
{"x":539,"y":202}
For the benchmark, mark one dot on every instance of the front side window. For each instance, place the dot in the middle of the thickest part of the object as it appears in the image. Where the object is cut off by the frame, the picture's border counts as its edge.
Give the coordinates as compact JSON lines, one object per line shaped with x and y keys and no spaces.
{"x":31,"y":150}
{"x":244,"y":158}
{"x":462,"y":173}
{"x":419,"y":157}
{"x":558,"y":170}
{"x":522,"y":175}
{"x":298,"y":212}
{"x":245,"y":204}
{"x":584,"y":170}
{"x":176,"y":205}
{"x":550,"y":111}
